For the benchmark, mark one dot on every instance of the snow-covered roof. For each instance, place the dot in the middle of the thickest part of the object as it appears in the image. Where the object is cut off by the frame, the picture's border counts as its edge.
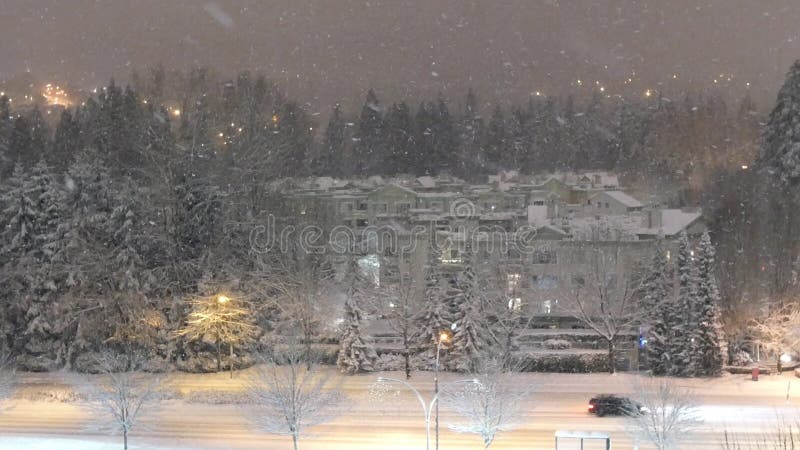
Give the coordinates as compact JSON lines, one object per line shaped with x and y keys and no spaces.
{"x":498,"y":216}
{"x":438,"y":194}
{"x":673,"y":221}
{"x":394,"y":185}
{"x":623,"y":198}
{"x":427,"y":182}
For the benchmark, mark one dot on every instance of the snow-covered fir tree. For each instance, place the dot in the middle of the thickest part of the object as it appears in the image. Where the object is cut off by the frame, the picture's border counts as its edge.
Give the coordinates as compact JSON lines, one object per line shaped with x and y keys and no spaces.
{"x":467,"y":319}
{"x":781,"y":137}
{"x":682,"y":348}
{"x":356,"y":353}
{"x":432,"y":318}
{"x":707,"y":335}
{"x":658,"y":304}
{"x":37,"y":239}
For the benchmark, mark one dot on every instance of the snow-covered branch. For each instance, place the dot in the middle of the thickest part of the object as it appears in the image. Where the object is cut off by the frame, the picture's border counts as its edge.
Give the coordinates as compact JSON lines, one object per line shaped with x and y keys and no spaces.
{"x":289,"y":397}
{"x":669,"y":415}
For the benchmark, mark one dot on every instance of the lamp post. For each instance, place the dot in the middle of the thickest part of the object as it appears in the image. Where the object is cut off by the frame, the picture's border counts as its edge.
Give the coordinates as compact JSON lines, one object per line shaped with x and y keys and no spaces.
{"x":427,"y":408}
{"x":222,"y":300}
{"x":444,"y":336}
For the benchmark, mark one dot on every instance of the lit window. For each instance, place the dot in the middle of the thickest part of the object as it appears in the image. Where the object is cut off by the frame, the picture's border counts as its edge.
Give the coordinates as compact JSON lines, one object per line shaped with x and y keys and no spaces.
{"x":512,"y":282}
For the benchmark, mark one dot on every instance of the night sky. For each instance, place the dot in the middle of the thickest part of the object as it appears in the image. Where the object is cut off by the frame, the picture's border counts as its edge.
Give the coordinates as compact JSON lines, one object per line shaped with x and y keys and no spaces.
{"x":324,"y":51}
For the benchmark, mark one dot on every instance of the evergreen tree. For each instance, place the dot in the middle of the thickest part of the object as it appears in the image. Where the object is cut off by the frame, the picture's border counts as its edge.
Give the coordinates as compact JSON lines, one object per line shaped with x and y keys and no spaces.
{"x":444,"y":139}
{"x":6,"y":127}
{"x":686,"y":322}
{"x":708,"y":334}
{"x":470,"y":329}
{"x":332,"y":157}
{"x":432,"y":318}
{"x":20,"y":144}
{"x":39,"y":135}
{"x":66,"y":142}
{"x":423,"y":124}
{"x":781,"y":137}
{"x":496,"y":141}
{"x":658,"y":304}
{"x":368,"y":150}
{"x":471,"y":158}
{"x":355,"y":353}
{"x":400,"y":141}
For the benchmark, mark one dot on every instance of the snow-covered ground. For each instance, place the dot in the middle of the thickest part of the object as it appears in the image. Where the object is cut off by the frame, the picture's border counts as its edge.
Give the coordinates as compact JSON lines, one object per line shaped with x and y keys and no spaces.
{"x":199,"y":417}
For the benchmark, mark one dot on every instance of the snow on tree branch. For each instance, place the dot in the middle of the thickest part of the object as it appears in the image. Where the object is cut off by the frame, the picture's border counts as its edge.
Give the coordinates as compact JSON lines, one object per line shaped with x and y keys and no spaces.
{"x":290,"y":396}
{"x":670,"y":414}
{"x":118,"y":397}
{"x":495,"y":403}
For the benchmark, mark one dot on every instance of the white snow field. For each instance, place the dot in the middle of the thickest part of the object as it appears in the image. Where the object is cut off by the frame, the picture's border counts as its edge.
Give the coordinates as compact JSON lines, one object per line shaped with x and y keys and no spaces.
{"x":195,"y":419}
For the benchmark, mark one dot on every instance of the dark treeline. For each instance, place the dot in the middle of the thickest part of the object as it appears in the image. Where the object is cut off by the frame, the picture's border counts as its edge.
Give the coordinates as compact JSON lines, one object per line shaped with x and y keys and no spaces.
{"x":145,"y":195}
{"x":248,"y":124}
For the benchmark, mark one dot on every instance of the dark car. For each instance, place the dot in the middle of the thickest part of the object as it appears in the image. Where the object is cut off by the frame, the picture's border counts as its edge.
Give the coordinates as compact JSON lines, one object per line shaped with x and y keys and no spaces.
{"x":614,"y":405}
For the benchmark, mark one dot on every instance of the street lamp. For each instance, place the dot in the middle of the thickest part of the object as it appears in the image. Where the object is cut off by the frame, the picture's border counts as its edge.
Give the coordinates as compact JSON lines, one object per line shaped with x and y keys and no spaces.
{"x":427,"y":408}
{"x":444,"y":336}
{"x":223,"y":300}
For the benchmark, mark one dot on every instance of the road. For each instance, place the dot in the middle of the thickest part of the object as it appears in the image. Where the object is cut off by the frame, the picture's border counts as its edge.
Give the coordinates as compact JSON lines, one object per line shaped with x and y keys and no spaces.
{"x":391,"y":421}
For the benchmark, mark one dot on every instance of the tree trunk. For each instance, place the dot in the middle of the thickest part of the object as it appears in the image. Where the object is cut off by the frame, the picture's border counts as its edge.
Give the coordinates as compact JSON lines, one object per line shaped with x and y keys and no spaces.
{"x":407,"y":357}
{"x":231,"y":362}
{"x":611,"y":357}
{"x":125,"y":439}
{"x":219,"y":355}
{"x":294,"y":441}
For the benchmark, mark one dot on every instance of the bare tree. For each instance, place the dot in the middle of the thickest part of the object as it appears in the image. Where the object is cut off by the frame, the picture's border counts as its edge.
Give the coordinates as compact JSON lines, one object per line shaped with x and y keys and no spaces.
{"x":289,"y":398}
{"x":605,"y":297}
{"x":782,"y":434}
{"x":119,"y":396}
{"x":493,"y":404}
{"x":298,"y":285}
{"x":779,"y":331}
{"x":400,"y":304}
{"x":668,"y":417}
{"x":506,"y":313}
{"x":222,"y":318}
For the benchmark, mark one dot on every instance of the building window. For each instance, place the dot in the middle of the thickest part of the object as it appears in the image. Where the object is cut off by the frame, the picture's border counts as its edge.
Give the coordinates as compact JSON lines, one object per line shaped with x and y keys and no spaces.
{"x":370,"y":268}
{"x":436,"y":205}
{"x":607,"y":205}
{"x":544,"y":256}
{"x":547,"y":307}
{"x":578,"y":281}
{"x":346,"y":207}
{"x":361,"y":222}
{"x":538,"y":203}
{"x":403,"y":208}
{"x":381,"y":208}
{"x":545,"y":282}
{"x":514,"y":303}
{"x":451,"y":256}
{"x":362,"y":206}
{"x":512,"y":282}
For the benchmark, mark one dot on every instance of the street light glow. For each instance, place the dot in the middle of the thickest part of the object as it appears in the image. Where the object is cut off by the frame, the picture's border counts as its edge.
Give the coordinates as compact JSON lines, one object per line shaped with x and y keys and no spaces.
{"x":221,"y":299}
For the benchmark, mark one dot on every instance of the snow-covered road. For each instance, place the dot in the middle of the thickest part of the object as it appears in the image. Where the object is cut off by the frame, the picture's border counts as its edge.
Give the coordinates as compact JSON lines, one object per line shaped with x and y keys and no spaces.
{"x":391,"y":422}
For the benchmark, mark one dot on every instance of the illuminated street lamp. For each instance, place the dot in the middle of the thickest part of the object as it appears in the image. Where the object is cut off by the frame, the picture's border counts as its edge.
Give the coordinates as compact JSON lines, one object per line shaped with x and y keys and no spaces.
{"x":222,"y":299}
{"x":427,"y":408}
{"x":444,"y":337}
